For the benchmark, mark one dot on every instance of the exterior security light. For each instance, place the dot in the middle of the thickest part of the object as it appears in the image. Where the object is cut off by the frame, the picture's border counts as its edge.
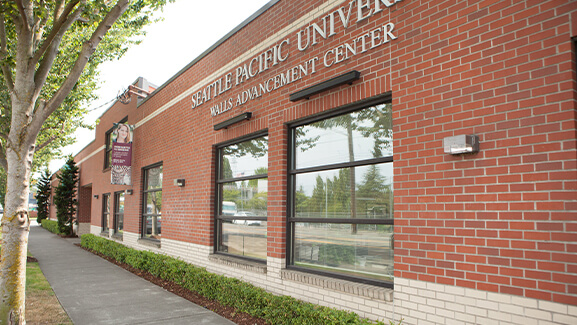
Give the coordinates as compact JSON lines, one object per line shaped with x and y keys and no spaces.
{"x":346,"y":78}
{"x":459,"y":144}
{"x":231,"y":121}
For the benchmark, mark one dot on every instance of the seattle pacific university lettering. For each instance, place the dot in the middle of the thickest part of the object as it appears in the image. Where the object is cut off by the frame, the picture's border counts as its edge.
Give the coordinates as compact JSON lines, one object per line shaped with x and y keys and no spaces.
{"x":354,"y":11}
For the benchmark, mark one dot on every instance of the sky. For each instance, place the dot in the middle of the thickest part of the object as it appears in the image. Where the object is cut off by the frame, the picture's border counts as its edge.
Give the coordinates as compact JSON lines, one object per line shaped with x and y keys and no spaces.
{"x":188,"y":29}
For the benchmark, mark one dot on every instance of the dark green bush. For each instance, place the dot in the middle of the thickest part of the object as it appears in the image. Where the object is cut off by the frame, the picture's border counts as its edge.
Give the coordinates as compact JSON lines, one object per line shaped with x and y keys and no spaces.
{"x":50,"y":225}
{"x":228,"y":291}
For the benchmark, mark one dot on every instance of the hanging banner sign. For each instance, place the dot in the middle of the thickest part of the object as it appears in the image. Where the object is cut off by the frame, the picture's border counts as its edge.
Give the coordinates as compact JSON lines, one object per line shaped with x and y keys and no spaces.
{"x":121,"y":171}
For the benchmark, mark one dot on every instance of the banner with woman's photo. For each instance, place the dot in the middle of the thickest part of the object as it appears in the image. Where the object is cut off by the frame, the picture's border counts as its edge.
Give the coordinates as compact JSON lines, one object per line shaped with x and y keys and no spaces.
{"x":121,"y":171}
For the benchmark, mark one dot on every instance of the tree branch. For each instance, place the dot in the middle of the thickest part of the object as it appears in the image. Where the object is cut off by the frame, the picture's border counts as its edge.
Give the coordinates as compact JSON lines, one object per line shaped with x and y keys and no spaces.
{"x":50,"y":52}
{"x":40,"y":24}
{"x":52,"y":138}
{"x":59,"y":27}
{"x":6,"y":71}
{"x":49,"y":140}
{"x":22,"y":12}
{"x":58,"y":9}
{"x":88,"y":48}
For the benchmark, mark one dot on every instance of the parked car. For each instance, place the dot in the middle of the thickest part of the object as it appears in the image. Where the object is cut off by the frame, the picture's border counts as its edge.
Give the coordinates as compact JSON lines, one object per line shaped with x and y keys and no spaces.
{"x":246,"y":222}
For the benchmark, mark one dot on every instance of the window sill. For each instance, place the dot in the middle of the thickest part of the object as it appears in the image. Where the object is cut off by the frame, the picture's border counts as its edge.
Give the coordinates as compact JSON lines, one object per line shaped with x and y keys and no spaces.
{"x":105,"y":234}
{"x":238,"y":263}
{"x":354,"y":288}
{"x":149,"y":242}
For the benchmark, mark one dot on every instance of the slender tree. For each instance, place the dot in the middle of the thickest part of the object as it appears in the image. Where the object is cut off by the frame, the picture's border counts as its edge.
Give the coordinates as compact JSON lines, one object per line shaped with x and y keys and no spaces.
{"x":46,"y":48}
{"x":65,"y":196}
{"x":43,"y":195}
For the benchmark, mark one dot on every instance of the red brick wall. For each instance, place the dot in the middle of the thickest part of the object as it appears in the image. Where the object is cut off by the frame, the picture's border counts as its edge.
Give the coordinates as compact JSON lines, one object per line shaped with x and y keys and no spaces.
{"x":93,"y":175}
{"x":84,"y":204}
{"x":501,"y":220}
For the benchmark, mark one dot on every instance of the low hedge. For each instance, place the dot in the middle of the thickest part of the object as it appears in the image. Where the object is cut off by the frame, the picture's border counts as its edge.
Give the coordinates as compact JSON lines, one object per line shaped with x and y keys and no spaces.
{"x":50,"y":225}
{"x":243,"y":296}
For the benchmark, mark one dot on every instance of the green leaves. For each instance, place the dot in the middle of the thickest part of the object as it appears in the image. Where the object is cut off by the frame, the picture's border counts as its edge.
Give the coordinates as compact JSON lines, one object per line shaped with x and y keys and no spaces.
{"x":58,"y":130}
{"x":43,"y":195}
{"x":51,"y":226}
{"x":65,"y":196}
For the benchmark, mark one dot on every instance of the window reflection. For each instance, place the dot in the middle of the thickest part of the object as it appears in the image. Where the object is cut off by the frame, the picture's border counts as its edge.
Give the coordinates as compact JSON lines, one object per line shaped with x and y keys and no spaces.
{"x":119,"y":212}
{"x":361,"y":135}
{"x":152,"y":209}
{"x":329,"y":246}
{"x":245,"y":198}
{"x":244,"y":159}
{"x":328,"y":194}
{"x":244,"y":238}
{"x":242,"y":202}
{"x":342,"y":185}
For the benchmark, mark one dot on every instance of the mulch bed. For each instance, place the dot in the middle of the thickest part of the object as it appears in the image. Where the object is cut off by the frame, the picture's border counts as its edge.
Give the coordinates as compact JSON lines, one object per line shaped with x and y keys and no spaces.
{"x":227,"y":312}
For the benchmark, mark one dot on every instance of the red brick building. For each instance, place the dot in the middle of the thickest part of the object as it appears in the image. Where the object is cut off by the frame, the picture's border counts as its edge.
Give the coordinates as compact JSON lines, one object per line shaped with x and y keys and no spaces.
{"x":411,"y":159}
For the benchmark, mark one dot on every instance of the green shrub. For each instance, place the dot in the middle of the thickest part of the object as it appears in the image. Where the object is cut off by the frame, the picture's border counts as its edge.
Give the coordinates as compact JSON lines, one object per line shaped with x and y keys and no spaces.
{"x":228,"y":291}
{"x":50,"y":225}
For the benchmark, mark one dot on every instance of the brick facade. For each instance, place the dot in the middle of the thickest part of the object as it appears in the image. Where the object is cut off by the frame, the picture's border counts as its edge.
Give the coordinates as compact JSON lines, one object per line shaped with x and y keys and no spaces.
{"x":473,"y":232}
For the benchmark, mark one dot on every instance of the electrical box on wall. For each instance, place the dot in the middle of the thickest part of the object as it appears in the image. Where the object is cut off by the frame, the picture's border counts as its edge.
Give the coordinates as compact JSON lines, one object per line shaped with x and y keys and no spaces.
{"x":465,"y":143}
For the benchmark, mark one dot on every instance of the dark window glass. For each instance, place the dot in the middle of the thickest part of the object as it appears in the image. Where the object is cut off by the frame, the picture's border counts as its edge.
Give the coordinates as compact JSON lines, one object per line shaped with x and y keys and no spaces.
{"x":341,"y":183}
{"x":108,"y":150}
{"x":119,"y":212}
{"x":151,"y":216}
{"x":242,"y":198}
{"x":105,"y":211}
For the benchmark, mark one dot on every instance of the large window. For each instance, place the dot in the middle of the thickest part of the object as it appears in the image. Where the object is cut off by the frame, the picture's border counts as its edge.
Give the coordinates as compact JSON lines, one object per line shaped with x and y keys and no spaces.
{"x":105,"y":211}
{"x":242,"y":198}
{"x":119,"y":212}
{"x":152,"y":203}
{"x":341,"y":187}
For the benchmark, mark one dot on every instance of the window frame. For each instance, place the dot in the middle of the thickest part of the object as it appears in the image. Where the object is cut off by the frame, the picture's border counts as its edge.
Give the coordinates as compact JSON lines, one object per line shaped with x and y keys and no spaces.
{"x":292,"y":172}
{"x":145,"y":191}
{"x":108,"y":145}
{"x":108,"y":149}
{"x":116,"y":213}
{"x":105,"y":212}
{"x":219,"y":217}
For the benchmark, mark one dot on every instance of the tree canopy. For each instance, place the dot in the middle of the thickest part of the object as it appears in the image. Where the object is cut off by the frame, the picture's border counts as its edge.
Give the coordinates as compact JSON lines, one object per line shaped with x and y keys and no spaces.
{"x":49,"y":54}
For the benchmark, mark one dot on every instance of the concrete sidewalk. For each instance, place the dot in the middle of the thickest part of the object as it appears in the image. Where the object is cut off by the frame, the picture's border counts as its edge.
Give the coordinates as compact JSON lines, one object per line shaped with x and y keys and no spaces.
{"x":94,"y":291}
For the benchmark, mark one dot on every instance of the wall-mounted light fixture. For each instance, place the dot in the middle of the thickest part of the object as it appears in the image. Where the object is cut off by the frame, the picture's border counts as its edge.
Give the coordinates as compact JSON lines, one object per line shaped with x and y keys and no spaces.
{"x":465,"y":143}
{"x":346,"y":78}
{"x":96,"y":196}
{"x":128,"y":192}
{"x":179,"y":182}
{"x":231,"y":121}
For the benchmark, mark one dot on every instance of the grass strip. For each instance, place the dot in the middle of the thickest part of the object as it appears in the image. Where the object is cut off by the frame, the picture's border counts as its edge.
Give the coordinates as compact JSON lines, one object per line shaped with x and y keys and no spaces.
{"x":42,"y":306}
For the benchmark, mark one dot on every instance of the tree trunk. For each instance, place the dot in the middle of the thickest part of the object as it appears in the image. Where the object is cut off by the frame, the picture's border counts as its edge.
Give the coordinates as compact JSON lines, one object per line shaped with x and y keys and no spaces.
{"x":15,"y":230}
{"x":15,"y":227}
